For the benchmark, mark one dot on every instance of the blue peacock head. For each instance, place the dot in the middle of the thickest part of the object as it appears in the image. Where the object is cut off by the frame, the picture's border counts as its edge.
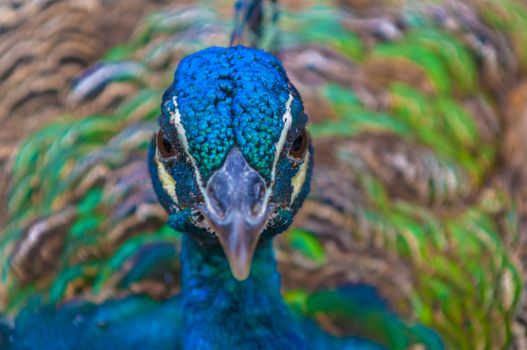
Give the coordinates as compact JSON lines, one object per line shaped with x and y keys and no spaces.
{"x":232,"y":160}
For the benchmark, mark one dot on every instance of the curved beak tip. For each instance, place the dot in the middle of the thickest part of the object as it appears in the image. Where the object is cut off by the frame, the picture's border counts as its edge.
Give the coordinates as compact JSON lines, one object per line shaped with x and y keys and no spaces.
{"x":239,"y":247}
{"x":240,"y":273}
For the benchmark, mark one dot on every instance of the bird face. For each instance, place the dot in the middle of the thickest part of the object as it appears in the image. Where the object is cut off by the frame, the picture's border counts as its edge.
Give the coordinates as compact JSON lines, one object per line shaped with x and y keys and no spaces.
{"x":231,"y":162}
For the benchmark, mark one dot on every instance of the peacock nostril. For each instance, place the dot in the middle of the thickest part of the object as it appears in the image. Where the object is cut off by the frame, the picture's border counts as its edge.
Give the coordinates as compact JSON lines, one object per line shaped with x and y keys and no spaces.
{"x":256,"y":194}
{"x":219,"y":193}
{"x":259,"y":189}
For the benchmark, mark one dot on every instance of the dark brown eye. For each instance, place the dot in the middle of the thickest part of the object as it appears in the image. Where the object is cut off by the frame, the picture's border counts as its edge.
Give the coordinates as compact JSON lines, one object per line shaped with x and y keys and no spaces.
{"x":300,"y":145}
{"x":166,"y":149}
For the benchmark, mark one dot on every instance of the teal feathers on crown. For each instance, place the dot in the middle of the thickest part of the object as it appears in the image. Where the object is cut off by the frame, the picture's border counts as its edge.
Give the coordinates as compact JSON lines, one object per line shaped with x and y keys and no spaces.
{"x":231,"y":96}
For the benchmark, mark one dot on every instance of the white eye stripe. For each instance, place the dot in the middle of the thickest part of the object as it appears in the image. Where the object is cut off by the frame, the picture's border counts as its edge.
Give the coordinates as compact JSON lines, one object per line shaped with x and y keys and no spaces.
{"x":287,"y":118}
{"x":175,"y":120}
{"x":300,"y":178}
{"x":167,"y":181}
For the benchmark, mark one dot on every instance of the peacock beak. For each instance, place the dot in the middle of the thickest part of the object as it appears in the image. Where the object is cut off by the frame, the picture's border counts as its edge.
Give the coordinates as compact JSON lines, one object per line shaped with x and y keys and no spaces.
{"x":237,"y":211}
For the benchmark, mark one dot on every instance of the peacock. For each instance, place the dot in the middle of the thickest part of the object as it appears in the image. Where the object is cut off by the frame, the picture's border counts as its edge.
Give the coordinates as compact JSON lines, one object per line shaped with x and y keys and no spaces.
{"x":411,"y":236}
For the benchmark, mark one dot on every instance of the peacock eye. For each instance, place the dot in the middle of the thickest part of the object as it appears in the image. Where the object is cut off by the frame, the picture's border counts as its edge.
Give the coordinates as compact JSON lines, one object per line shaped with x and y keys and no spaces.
{"x":300,"y":145}
{"x":166,"y":149}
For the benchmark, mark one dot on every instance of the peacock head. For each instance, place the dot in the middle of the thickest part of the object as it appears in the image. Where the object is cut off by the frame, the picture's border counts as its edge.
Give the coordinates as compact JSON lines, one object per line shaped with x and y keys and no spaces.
{"x":231,"y":162}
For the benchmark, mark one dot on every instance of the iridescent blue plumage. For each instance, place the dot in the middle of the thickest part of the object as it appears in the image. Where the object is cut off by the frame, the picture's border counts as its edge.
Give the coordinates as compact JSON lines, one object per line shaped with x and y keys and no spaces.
{"x":231,"y":111}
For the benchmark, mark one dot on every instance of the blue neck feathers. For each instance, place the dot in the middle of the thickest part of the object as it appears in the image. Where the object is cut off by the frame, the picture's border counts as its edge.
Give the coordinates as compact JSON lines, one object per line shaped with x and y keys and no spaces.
{"x":219,"y":309}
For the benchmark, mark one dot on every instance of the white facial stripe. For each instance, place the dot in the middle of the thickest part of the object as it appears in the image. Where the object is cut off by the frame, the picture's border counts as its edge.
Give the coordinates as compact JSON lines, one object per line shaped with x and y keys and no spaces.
{"x":300,"y":177}
{"x":288,"y":120}
{"x":167,"y":181}
{"x":175,"y":120}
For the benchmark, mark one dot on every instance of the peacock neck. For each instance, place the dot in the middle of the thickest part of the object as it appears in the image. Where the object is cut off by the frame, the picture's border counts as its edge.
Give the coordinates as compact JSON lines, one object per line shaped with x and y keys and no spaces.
{"x":223,"y":313}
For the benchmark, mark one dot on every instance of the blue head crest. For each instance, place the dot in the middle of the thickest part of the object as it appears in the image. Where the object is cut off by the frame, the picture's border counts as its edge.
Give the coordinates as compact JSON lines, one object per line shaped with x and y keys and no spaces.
{"x":232,"y":143}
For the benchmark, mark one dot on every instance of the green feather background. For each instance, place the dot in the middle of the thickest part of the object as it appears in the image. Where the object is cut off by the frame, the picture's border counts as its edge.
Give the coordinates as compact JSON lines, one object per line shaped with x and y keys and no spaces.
{"x":416,"y":110}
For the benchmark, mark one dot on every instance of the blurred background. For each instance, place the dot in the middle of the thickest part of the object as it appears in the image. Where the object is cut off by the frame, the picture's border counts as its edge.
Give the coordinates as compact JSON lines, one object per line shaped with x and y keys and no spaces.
{"x":418,"y":110}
